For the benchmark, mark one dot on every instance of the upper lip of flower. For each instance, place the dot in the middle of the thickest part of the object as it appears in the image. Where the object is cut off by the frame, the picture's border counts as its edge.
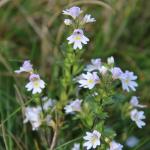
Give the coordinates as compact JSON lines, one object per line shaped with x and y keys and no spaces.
{"x":73,"y":12}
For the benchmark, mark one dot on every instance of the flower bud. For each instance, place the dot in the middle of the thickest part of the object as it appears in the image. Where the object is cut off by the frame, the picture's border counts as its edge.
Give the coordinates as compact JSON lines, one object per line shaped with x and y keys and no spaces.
{"x":68,"y":22}
{"x":110,"y":60}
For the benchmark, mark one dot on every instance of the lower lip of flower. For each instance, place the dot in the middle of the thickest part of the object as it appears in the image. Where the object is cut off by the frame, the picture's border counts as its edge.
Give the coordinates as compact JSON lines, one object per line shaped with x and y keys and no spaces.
{"x":36,"y":84}
{"x":136,"y":117}
{"x":90,"y":81}
{"x":127,"y":81}
{"x":77,"y":38}
{"x":94,"y":139}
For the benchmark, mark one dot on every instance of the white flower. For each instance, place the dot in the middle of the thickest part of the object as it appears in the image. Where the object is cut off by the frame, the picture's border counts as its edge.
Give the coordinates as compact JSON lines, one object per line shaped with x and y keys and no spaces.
{"x":47,"y":104}
{"x":135,"y":102}
{"x":68,"y":22}
{"x":137,"y":116}
{"x":116,"y":73}
{"x":128,"y":82}
{"x":87,"y":19}
{"x":88,"y":80}
{"x":73,"y":107}
{"x":103,"y":70}
{"x":32,"y":114}
{"x":115,"y":146}
{"x":92,"y":139}
{"x":132,"y":141}
{"x":76,"y":146}
{"x":110,"y":60}
{"x":95,"y":65}
{"x":35,"y":84}
{"x":77,"y":38}
{"x":74,"y":12}
{"x":26,"y":67}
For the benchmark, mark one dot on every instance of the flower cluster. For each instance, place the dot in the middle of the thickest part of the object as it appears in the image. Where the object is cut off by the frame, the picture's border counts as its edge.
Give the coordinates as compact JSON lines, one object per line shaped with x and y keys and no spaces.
{"x":77,"y":21}
{"x":35,"y":83}
{"x":95,"y":74}
{"x":97,"y":67}
{"x":34,"y":114}
{"x":101,"y":81}
{"x":137,"y":116}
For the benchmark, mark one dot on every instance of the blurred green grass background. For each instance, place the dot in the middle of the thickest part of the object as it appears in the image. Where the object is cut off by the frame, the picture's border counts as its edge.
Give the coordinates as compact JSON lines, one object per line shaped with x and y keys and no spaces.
{"x":34,"y":29}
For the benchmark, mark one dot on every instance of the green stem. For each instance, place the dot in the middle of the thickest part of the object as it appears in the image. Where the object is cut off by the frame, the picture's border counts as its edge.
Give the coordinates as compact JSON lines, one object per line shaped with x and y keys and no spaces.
{"x":69,"y":62}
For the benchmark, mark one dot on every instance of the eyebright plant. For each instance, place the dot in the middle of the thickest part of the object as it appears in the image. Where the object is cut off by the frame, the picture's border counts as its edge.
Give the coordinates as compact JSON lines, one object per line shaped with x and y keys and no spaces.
{"x":88,"y":97}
